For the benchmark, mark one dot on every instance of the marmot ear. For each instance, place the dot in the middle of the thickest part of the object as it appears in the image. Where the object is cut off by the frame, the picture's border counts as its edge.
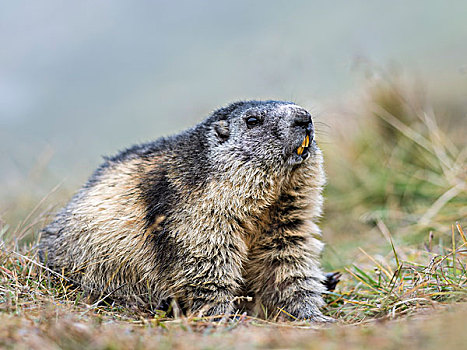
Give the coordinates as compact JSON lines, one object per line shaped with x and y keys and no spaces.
{"x":221,"y":128}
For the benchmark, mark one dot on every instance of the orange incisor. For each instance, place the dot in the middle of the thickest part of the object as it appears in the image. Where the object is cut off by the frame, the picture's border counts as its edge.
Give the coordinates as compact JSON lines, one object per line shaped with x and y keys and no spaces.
{"x":305,"y":144}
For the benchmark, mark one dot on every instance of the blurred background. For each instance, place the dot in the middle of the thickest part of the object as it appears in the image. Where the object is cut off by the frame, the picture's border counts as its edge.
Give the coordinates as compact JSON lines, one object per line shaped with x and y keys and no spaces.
{"x":79,"y":80}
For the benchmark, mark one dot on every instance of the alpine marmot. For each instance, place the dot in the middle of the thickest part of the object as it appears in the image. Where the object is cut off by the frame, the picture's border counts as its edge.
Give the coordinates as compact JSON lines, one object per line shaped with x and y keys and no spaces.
{"x":225,"y":209}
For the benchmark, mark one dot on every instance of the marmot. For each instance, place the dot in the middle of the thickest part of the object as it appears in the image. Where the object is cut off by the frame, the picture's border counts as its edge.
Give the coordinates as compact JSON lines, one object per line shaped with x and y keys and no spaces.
{"x":225,"y":209}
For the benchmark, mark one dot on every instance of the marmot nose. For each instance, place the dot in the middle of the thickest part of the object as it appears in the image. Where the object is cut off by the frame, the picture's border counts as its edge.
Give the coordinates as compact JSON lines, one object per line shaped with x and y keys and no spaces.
{"x":304,"y":121}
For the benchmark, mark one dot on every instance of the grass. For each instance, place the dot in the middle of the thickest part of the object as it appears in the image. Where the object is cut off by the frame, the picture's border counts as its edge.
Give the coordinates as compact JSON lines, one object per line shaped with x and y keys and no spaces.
{"x":395,"y":228}
{"x":400,"y":166}
{"x":380,"y":288}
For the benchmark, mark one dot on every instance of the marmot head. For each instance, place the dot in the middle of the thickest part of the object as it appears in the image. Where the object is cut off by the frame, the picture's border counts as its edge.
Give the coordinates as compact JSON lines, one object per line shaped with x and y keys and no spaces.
{"x":263,"y":133}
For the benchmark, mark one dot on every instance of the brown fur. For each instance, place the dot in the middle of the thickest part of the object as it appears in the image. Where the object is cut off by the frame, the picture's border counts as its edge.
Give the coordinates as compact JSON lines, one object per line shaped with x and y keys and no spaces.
{"x":240,"y":231}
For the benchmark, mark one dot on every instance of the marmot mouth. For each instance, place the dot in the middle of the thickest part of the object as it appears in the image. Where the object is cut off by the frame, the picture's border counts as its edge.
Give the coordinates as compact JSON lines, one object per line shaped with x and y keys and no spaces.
{"x":302,"y":150}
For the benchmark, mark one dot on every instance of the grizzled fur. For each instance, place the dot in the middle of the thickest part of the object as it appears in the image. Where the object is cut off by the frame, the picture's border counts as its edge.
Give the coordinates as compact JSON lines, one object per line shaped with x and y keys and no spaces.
{"x":225,"y":209}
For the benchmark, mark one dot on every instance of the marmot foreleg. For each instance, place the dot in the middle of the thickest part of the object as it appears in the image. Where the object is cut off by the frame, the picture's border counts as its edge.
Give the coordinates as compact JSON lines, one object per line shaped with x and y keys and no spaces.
{"x":283,"y":266}
{"x":209,"y":270}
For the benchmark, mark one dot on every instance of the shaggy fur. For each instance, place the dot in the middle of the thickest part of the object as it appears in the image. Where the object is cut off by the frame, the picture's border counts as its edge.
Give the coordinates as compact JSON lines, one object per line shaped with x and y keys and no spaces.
{"x":225,"y":209}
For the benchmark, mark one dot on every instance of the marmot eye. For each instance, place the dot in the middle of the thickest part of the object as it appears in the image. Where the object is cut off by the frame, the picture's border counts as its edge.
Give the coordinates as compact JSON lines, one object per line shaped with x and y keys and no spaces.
{"x":252,"y":121}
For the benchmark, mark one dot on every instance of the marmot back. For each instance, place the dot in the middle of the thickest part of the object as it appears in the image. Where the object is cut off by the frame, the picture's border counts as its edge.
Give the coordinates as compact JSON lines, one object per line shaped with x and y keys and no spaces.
{"x":222,"y":210}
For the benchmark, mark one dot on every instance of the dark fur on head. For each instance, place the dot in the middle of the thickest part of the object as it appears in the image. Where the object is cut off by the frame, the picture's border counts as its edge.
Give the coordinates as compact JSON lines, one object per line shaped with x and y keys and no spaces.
{"x":225,"y":209}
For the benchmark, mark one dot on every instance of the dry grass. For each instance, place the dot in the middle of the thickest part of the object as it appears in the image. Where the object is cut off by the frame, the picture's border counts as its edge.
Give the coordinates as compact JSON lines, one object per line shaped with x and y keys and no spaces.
{"x":404,"y":263}
{"x":435,"y":330}
{"x":389,"y":287}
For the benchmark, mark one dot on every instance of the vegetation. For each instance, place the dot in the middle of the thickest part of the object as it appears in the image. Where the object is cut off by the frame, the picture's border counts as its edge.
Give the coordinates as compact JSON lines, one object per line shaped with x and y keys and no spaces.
{"x":395,"y":228}
{"x":402,"y":174}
